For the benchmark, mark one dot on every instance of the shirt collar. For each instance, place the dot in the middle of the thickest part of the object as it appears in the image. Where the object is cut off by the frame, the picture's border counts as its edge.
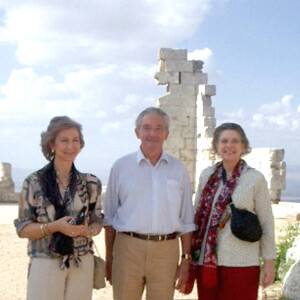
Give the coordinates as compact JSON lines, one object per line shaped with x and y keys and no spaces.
{"x":140,"y":157}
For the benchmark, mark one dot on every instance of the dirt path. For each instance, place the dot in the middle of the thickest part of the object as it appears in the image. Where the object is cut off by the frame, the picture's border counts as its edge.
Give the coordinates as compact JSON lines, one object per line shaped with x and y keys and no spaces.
{"x":14,"y":260}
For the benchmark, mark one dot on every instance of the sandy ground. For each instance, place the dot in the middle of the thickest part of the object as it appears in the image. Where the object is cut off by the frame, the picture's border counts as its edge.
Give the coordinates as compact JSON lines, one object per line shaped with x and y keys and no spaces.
{"x":14,"y":261}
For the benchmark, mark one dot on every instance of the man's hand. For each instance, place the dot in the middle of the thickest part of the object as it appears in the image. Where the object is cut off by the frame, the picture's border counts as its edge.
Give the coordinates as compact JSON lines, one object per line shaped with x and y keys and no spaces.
{"x":110,"y":235}
{"x":182,"y":275}
{"x":108,"y":270}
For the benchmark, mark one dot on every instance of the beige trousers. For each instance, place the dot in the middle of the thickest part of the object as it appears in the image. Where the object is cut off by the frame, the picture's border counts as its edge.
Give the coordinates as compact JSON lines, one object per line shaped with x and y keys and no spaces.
{"x":138,"y":263}
{"x":46,"y":281}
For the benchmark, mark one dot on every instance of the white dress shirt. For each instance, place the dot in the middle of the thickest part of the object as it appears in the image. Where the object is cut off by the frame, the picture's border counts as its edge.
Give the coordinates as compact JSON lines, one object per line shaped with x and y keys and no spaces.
{"x":149,"y":199}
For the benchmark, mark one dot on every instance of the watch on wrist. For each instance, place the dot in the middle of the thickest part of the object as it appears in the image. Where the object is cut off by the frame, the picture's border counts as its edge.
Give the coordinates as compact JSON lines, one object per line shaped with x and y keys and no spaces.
{"x":186,"y":256}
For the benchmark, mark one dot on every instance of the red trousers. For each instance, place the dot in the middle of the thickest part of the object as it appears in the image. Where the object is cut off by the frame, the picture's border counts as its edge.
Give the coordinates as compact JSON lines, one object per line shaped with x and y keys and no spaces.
{"x":234,"y":283}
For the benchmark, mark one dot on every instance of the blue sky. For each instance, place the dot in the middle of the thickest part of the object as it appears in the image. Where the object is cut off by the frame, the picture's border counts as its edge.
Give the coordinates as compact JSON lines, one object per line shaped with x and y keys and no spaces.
{"x":95,"y":61}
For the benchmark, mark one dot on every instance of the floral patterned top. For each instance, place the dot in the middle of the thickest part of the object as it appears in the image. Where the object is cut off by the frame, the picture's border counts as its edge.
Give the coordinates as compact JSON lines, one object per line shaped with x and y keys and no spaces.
{"x":35,"y":207}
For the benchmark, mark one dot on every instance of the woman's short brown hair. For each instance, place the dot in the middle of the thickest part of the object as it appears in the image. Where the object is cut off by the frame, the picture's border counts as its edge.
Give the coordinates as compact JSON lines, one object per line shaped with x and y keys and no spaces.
{"x":230,"y":126}
{"x":55,"y":126}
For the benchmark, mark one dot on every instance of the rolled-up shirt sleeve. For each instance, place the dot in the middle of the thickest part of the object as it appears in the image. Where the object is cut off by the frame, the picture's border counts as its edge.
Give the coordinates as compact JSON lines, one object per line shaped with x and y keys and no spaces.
{"x":95,"y":188}
{"x":26,"y":215}
{"x":266,"y":219}
{"x":187,"y":209}
{"x":110,"y":204}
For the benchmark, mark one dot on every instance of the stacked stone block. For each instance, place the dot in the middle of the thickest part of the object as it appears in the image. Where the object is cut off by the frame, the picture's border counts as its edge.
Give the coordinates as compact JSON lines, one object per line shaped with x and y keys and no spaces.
{"x":270,"y":162}
{"x":182,"y":78}
{"x":7,"y":186}
{"x":189,"y":105}
{"x":206,"y":124}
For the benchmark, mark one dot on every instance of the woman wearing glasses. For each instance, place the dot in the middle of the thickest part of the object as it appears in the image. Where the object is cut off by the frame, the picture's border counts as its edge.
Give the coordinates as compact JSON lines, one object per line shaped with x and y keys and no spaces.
{"x":226,"y":267}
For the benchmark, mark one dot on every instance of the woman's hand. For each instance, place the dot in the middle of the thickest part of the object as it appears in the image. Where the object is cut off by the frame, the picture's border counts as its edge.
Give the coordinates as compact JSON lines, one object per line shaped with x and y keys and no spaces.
{"x":268,"y":273}
{"x":62,"y":225}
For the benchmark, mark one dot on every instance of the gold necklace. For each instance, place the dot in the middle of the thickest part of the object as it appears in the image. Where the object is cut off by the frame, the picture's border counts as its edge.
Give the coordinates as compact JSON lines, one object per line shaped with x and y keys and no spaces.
{"x":64,"y":181}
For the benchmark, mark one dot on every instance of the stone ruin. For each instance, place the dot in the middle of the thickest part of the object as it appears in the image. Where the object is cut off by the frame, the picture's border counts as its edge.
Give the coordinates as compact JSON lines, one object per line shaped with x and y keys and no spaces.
{"x":182,"y":78}
{"x":189,"y":105}
{"x":7,"y":186}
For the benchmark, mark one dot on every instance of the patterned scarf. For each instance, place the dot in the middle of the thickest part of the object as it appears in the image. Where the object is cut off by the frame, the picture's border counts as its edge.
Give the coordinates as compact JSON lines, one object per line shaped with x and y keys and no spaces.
{"x":60,"y":243}
{"x":202,"y":216}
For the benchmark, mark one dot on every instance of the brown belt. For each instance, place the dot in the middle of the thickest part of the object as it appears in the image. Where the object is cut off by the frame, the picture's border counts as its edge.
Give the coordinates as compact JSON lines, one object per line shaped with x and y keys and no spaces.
{"x":149,"y":237}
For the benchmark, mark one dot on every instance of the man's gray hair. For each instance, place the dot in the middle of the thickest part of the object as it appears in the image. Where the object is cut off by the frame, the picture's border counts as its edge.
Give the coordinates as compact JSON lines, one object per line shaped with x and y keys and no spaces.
{"x":152,"y":110}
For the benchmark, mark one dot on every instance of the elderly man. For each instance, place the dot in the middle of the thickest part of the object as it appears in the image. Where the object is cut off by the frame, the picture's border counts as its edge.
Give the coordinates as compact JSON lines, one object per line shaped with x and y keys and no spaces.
{"x":148,"y":206}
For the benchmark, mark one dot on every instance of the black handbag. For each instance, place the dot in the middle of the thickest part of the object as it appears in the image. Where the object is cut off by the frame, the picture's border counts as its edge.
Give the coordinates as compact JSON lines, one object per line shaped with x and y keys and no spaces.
{"x":245,"y":224}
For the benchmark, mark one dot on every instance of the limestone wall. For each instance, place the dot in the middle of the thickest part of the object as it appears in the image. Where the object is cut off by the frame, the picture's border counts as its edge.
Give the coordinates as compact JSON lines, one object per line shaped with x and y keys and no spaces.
{"x":189,"y":104}
{"x":206,"y":124}
{"x":270,"y":162}
{"x":182,"y":78}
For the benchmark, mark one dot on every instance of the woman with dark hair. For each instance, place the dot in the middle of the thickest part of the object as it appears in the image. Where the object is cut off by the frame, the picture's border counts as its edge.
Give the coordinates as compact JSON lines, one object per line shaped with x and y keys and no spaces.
{"x":226,"y":267}
{"x":59,"y":212}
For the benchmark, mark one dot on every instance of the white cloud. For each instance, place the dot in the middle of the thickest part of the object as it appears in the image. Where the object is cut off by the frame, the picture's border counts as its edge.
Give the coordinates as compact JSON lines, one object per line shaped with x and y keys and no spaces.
{"x":206,"y":55}
{"x":122,"y":108}
{"x":29,"y":95}
{"x":132,"y":99}
{"x":277,"y":107}
{"x":286,"y":100}
{"x":99,"y":51}
{"x":240,"y":114}
{"x":111,"y":126}
{"x":91,"y":60}
{"x":66,"y":32}
{"x":280,"y":115}
{"x":101,"y":114}
{"x":269,"y":118}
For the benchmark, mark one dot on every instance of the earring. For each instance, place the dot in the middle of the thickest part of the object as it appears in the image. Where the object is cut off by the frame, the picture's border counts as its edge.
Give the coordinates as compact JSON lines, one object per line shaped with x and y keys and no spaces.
{"x":52,"y":150}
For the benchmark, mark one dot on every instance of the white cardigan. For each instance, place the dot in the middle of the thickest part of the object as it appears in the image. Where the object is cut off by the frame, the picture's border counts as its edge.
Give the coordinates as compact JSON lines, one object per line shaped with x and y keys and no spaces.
{"x":251,"y":193}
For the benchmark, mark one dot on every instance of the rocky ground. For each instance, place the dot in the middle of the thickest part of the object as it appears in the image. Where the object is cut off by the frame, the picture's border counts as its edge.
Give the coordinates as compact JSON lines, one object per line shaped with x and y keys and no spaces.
{"x":14,"y":261}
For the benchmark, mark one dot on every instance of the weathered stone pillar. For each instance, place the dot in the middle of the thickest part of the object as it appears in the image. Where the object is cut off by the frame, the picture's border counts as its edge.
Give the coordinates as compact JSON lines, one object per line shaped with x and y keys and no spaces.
{"x":193,"y":121}
{"x":7,"y":186}
{"x":182,"y":78}
{"x":206,"y":124}
{"x":6,"y":183}
{"x":270,"y":162}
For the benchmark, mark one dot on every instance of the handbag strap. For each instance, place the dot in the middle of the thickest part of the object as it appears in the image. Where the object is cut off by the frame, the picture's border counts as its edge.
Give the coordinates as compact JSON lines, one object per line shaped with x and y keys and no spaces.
{"x":232,"y":206}
{"x":224,"y":179}
{"x":96,"y":249}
